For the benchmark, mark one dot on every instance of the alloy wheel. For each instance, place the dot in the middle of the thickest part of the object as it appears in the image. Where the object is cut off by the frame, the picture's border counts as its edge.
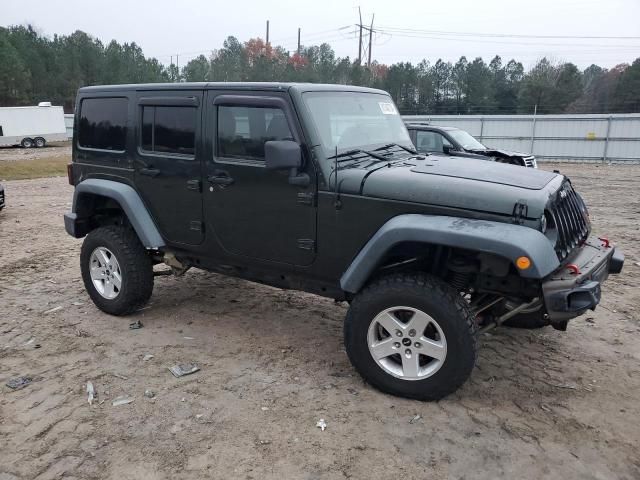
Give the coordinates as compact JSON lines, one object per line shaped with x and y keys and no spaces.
{"x":407,"y":343}
{"x":105,"y":273}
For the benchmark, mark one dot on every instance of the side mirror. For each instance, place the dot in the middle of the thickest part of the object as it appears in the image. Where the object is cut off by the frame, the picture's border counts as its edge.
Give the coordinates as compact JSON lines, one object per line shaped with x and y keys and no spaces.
{"x":447,"y":149}
{"x":286,"y":154}
{"x":282,"y":154}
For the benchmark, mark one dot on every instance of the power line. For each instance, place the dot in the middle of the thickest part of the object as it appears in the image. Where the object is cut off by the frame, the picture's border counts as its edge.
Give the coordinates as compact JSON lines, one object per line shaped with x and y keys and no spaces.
{"x":504,"y":42}
{"x":509,"y":35}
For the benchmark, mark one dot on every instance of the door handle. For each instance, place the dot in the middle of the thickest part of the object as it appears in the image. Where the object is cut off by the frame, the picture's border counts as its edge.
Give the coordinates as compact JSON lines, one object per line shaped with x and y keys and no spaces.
{"x":220,"y":177}
{"x":150,"y":172}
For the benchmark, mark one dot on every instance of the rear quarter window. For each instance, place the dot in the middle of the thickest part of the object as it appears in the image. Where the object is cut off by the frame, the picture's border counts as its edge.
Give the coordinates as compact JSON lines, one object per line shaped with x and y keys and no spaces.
{"x":103,"y":123}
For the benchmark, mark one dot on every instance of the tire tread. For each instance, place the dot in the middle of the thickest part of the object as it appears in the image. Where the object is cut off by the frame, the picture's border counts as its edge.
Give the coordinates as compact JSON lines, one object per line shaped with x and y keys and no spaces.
{"x":132,"y":258}
{"x":427,"y":284}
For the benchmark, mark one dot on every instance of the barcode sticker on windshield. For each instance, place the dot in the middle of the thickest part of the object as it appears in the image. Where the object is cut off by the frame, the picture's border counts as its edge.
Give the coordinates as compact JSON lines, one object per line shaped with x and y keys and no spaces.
{"x":388,"y":108}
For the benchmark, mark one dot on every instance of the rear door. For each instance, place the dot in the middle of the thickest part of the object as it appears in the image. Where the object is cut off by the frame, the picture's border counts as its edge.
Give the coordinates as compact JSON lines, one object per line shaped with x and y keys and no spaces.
{"x":168,"y":162}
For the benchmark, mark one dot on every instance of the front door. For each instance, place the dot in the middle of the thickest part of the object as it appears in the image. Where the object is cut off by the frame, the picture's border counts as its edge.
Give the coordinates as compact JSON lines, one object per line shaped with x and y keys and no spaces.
{"x":168,"y":169}
{"x":251,"y":211}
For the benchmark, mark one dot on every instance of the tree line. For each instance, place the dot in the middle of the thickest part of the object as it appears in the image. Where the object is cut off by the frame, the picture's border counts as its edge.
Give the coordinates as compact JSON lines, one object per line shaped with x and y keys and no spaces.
{"x":34,"y":68}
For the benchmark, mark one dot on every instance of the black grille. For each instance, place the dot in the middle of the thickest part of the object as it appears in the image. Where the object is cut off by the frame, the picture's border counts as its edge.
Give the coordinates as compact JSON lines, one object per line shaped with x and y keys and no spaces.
{"x":570,"y":219}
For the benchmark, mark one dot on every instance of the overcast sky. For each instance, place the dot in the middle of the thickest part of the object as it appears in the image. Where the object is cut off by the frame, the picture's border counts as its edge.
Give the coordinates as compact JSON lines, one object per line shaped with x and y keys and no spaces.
{"x":406,"y":28}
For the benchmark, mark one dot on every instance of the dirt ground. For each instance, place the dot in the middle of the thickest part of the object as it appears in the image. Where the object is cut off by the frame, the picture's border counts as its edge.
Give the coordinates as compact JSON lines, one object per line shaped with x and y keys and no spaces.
{"x":540,"y":404}
{"x":52,"y":150}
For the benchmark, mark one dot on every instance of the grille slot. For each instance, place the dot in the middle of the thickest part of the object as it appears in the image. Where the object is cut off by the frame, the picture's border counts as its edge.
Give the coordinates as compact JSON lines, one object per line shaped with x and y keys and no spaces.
{"x":569,"y":215}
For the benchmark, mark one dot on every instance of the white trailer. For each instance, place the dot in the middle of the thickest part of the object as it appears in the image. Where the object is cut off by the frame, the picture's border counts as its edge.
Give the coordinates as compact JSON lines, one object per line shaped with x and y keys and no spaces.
{"x":32,"y":126}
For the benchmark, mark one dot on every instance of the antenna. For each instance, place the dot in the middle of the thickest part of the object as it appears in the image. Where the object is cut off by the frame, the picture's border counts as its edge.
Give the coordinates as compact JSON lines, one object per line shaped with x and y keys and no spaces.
{"x":337,"y":203}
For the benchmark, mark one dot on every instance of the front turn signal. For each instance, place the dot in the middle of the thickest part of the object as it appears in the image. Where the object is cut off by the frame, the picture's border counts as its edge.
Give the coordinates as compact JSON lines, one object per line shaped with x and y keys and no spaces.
{"x":523,"y":263}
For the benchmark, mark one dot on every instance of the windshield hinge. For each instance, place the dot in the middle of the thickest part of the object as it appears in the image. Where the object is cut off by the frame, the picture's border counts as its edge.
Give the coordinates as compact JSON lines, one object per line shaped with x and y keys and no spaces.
{"x":520,"y":212}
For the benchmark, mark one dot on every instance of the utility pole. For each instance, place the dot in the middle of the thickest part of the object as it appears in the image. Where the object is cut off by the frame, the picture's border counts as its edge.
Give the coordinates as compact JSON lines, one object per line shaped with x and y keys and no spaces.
{"x":298,"y":40}
{"x":360,"y":41}
{"x":178,"y":65}
{"x":370,"y":40}
{"x":267,"y":32}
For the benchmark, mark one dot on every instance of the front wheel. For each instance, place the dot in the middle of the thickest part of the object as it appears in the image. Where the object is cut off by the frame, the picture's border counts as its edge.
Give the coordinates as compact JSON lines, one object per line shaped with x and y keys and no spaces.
{"x":116,"y":270}
{"x":412,"y":336}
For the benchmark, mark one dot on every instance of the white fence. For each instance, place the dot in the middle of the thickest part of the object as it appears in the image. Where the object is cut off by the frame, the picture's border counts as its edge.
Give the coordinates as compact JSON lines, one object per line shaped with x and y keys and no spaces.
{"x":572,"y":138}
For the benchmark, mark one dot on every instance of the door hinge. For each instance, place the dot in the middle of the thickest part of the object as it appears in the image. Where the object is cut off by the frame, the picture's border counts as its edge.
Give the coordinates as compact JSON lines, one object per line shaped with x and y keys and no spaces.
{"x":306,"y":244}
{"x":305,"y":198}
{"x":195,"y":225}
{"x":193,"y":185}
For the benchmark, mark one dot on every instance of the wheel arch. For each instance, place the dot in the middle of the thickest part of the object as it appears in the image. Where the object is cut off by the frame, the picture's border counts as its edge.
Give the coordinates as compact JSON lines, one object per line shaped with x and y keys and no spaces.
{"x":92,"y":195}
{"x":501,"y":239}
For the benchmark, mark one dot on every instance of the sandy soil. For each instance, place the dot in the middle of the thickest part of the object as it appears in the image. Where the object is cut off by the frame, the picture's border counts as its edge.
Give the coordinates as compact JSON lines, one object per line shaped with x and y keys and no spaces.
{"x":540,"y":404}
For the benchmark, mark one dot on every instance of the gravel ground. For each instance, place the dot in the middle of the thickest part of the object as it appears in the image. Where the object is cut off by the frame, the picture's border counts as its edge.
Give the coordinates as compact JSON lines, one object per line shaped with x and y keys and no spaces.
{"x":540,"y":404}
{"x":52,"y":150}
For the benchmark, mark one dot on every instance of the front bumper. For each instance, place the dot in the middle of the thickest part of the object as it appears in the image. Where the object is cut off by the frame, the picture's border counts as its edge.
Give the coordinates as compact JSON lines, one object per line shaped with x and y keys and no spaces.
{"x":576,"y":286}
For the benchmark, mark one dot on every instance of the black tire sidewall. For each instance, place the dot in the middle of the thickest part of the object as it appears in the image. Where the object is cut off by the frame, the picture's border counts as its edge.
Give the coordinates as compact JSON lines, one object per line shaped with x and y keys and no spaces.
{"x":135,"y":266}
{"x":25,"y":142}
{"x":460,"y":338}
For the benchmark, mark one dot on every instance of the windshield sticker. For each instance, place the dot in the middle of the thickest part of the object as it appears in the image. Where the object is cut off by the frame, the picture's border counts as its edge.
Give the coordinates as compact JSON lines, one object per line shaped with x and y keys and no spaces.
{"x":388,"y":108}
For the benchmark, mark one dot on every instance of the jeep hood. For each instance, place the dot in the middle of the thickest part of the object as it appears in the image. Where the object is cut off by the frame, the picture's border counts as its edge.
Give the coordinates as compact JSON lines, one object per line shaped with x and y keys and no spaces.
{"x":454,"y":182}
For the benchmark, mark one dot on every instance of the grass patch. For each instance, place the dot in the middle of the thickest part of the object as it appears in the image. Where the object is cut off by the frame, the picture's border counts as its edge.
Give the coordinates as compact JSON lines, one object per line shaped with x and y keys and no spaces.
{"x":35,"y":168}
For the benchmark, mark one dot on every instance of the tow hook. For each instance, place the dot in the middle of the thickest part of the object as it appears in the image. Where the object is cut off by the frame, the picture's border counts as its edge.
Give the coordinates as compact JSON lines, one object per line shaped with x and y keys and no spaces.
{"x":605,"y":242}
{"x":573,"y":268}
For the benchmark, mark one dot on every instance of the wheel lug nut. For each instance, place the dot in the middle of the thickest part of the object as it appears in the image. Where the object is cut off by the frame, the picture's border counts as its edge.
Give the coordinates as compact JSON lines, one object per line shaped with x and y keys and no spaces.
{"x":412,"y":333}
{"x":396,"y":345}
{"x":408,"y":351}
{"x":398,"y":333}
{"x":417,"y":345}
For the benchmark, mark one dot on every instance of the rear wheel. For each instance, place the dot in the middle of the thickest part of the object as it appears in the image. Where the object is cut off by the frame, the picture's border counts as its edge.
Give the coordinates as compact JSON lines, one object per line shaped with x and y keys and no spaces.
{"x":26,"y":142}
{"x":411,"y":335}
{"x":39,"y":142}
{"x":116,"y":270}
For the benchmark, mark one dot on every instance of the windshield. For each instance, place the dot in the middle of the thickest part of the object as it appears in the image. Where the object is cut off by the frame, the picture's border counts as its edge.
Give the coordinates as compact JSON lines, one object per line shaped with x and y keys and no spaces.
{"x":349,"y":120}
{"x":466,"y":140}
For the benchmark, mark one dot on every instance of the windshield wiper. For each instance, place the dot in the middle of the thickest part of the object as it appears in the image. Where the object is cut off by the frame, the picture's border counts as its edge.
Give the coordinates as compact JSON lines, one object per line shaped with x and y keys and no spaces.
{"x":354,"y":151}
{"x":389,"y":145}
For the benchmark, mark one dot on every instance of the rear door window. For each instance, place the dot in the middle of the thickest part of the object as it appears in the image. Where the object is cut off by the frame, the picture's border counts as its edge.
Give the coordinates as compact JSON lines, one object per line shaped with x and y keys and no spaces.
{"x":103,"y":124}
{"x":169,"y":130}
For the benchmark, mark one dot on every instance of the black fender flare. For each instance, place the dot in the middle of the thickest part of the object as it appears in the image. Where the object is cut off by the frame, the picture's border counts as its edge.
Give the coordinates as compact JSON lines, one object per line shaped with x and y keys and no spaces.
{"x":129,"y":201}
{"x":503,"y":239}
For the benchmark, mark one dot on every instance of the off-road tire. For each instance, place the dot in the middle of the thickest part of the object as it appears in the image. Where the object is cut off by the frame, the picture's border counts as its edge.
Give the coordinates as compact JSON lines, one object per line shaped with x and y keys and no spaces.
{"x":135,"y":264}
{"x":436,"y":299}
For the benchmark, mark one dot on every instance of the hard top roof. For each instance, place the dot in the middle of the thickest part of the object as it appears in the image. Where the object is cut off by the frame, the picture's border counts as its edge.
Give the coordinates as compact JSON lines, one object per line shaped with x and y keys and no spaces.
{"x":262,"y":86}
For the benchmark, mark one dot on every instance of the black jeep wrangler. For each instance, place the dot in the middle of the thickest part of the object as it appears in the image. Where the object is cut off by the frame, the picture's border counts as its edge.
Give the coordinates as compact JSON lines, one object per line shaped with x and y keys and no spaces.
{"x":318,"y":188}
